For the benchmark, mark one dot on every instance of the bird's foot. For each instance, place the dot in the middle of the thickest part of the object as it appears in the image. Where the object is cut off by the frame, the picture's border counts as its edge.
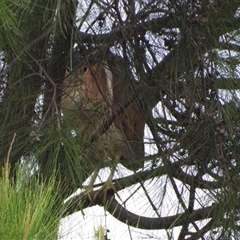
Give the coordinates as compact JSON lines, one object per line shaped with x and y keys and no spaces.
{"x":107,"y":187}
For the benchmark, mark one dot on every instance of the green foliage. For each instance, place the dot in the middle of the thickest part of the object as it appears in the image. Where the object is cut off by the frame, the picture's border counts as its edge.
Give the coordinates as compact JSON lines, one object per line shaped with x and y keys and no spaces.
{"x":184,"y":55}
{"x":29,"y":209}
{"x":9,"y":30}
{"x":99,"y":233}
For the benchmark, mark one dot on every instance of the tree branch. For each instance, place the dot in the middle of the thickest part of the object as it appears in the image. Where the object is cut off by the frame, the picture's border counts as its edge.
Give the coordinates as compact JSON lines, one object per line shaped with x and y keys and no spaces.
{"x":134,"y":220}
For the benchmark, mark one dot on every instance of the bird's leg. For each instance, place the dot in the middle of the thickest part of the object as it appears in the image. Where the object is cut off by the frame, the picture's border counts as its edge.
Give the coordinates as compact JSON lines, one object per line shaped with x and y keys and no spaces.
{"x":89,"y":190}
{"x":91,"y":184}
{"x":108,"y":185}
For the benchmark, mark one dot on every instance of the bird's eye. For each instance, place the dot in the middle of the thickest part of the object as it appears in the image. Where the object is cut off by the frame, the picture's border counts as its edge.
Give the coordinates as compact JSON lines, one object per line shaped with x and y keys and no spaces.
{"x":84,"y":69}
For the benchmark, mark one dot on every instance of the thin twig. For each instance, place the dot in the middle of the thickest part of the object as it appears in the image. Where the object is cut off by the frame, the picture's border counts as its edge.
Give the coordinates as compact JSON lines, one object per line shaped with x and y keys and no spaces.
{"x":52,"y":83}
{"x":149,"y":199}
{"x":29,"y":46}
{"x":129,"y":230}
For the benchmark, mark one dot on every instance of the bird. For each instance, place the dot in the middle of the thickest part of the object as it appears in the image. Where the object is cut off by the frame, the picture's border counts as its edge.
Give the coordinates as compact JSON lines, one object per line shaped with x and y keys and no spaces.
{"x":97,"y":102}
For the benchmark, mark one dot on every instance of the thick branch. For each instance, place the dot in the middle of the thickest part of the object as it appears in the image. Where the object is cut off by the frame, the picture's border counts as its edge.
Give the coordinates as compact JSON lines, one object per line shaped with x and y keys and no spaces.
{"x":154,"y":25}
{"x":125,"y":182}
{"x":134,"y":220}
